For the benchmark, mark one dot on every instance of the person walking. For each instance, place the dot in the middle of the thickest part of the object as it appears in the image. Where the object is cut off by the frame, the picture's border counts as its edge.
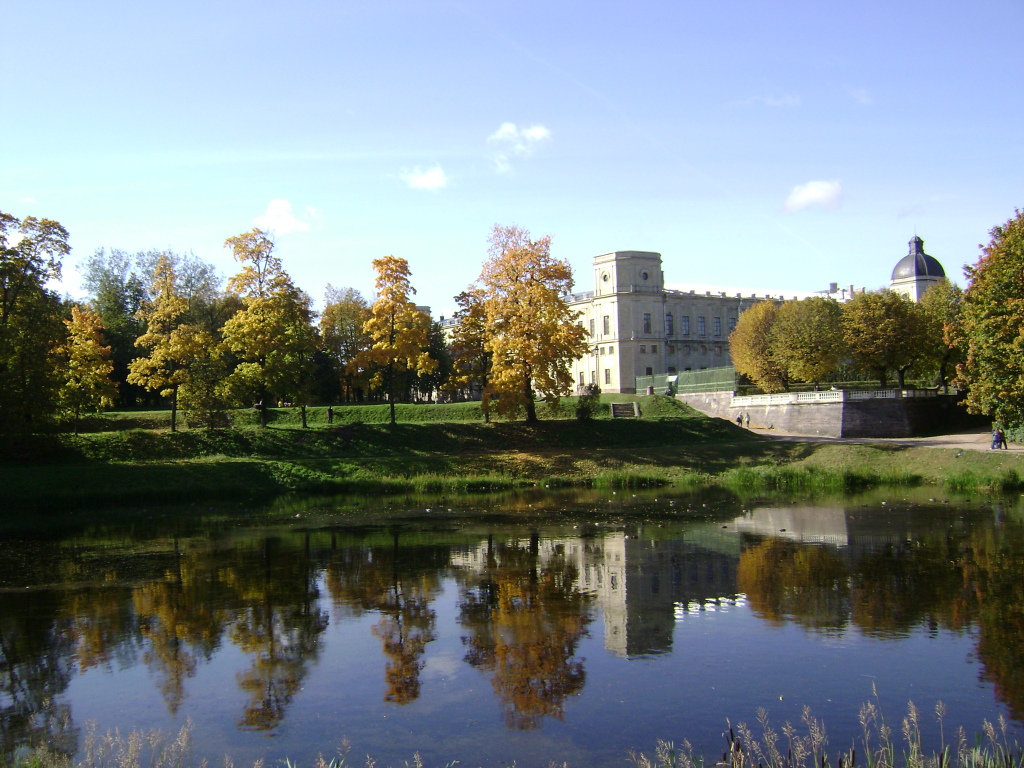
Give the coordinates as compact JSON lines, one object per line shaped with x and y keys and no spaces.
{"x":330,"y":414}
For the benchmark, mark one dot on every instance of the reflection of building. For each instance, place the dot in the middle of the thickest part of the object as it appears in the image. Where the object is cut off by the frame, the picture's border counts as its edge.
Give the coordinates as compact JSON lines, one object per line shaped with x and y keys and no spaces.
{"x":809,"y":525}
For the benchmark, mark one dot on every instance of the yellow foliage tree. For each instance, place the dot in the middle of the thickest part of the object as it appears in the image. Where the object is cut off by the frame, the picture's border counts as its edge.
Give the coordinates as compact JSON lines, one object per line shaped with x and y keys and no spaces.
{"x":173,"y":347}
{"x":398,"y":331}
{"x":532,"y":334}
{"x":750,"y":345}
{"x":87,"y":384}
{"x":273,"y":334}
{"x":471,"y":360}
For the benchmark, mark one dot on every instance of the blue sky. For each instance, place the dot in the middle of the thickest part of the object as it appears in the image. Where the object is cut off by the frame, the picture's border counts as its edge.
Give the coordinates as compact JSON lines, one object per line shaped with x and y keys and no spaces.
{"x":770,"y":145}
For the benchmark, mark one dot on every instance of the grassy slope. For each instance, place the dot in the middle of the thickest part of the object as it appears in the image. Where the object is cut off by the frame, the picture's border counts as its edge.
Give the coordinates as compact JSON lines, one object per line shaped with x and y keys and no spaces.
{"x":671,"y":443}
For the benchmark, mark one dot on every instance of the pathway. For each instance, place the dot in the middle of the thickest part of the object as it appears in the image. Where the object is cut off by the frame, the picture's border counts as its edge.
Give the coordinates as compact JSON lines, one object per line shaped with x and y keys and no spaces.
{"x":972,"y":440}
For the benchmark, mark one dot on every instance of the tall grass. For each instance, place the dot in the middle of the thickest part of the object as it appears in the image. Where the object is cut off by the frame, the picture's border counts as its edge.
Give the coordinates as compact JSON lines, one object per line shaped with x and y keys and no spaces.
{"x":802,"y":746}
{"x":812,"y":479}
{"x":969,"y":480}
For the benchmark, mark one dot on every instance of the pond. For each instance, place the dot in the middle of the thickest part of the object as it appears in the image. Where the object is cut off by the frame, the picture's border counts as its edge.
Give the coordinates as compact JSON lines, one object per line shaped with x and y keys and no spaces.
{"x":528,"y":628}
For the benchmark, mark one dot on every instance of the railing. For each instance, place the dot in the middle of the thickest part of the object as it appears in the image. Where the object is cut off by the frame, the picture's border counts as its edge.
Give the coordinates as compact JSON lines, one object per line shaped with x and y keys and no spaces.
{"x":828,"y":396}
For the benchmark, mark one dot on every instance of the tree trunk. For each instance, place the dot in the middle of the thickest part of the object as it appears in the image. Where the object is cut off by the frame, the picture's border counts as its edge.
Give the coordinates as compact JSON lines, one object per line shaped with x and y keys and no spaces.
{"x":174,"y":410}
{"x":303,"y":412}
{"x":531,"y":407}
{"x":391,"y":392}
{"x":901,"y":375}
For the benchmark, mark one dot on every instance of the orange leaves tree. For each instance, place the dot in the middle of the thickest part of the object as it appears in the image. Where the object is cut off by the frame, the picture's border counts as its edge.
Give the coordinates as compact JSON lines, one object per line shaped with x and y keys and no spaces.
{"x":398,"y":332}
{"x":87,"y":366}
{"x":750,"y":345}
{"x":532,"y":333}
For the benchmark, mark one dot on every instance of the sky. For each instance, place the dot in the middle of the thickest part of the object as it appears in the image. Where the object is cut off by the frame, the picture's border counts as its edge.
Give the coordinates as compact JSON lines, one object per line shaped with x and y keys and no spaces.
{"x":776,"y":145}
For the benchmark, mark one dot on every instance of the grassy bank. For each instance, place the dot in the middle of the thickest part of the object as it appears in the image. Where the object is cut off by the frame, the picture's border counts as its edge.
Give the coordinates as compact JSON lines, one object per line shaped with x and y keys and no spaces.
{"x":670,"y":445}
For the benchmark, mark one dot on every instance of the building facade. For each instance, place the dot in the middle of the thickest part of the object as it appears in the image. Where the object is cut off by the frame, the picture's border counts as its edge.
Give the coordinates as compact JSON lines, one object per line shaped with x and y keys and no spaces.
{"x":916,"y":272}
{"x":638,"y":327}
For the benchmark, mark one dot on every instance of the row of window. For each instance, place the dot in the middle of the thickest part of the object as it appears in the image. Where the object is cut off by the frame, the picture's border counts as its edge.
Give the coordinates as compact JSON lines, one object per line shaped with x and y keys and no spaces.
{"x":670,"y":325}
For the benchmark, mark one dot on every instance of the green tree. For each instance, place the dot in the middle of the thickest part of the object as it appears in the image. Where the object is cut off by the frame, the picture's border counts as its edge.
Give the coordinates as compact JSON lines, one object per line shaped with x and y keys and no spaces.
{"x":272,"y":334}
{"x":117,"y":292}
{"x":750,"y":346}
{"x":940,"y":305}
{"x":397,"y":330}
{"x":31,"y":250}
{"x":884,"y":332}
{"x":87,"y":366}
{"x":342,"y":332}
{"x":807,"y":338}
{"x":471,"y":359}
{"x":532,"y":333}
{"x":173,"y":347}
{"x":992,"y":327}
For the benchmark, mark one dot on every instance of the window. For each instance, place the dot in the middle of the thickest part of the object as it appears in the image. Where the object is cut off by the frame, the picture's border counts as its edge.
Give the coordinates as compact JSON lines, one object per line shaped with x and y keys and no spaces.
{"x":647,"y":322}
{"x":671,"y":349}
{"x":602,"y":350}
{"x":606,"y":321}
{"x":684,"y":321}
{"x":607,"y":375}
{"x":671,"y":369}
{"x":650,"y":371}
{"x":702,"y":326}
{"x":732,"y":324}
{"x":643,"y":349}
{"x":582,"y":381}
{"x":611,"y":350}
{"x":670,"y":325}
{"x":593,"y":377}
{"x":718,"y":350}
{"x":591,"y":327}
{"x":717,"y":325}
{"x":654,"y":349}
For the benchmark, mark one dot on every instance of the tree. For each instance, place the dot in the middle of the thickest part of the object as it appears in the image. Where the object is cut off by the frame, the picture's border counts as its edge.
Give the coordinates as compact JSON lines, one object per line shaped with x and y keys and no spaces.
{"x":87,"y":366}
{"x":341,"y":332}
{"x":750,"y":346}
{"x":117,"y":292}
{"x":273,"y":333}
{"x":532,"y":333}
{"x":807,"y":338}
{"x":940,"y":306}
{"x":174,"y":347}
{"x":398,"y":331}
{"x":471,"y":359}
{"x":884,"y":332}
{"x":30,"y":318}
{"x":992,"y":326}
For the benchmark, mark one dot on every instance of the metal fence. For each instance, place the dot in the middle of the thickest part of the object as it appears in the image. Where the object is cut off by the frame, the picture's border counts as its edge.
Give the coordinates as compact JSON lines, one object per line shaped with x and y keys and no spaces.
{"x":688,"y":382}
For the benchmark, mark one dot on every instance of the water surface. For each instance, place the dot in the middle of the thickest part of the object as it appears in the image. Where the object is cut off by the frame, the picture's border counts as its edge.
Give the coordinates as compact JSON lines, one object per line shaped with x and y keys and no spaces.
{"x":532,"y":628}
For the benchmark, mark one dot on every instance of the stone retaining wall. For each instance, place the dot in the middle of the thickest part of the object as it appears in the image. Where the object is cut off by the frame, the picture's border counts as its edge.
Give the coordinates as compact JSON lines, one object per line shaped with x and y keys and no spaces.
{"x":899,"y":417}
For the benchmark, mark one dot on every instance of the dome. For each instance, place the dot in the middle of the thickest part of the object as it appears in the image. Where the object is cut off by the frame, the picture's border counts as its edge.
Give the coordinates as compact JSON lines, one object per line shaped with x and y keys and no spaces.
{"x":917,"y":264}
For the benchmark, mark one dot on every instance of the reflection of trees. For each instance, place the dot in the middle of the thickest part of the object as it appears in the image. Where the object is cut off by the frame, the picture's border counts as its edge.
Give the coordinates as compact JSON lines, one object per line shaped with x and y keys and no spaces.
{"x":786,"y":580}
{"x":278,"y":622}
{"x":400,"y":583}
{"x":525,"y":620}
{"x":178,"y":617}
{"x":35,"y":668}
{"x":994,"y":574}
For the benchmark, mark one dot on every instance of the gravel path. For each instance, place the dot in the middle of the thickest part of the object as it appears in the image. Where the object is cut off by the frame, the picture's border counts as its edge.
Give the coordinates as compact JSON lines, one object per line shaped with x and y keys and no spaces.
{"x":974,"y":440}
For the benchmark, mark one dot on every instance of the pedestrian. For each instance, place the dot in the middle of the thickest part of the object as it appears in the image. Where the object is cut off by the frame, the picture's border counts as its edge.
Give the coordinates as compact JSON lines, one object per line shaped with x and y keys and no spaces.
{"x":997,"y":438}
{"x":746,"y":421}
{"x":330,"y":414}
{"x":739,"y":420}
{"x":1002,"y":437}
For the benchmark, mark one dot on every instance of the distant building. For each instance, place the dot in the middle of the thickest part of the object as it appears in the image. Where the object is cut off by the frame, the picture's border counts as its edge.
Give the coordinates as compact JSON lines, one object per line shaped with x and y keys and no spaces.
{"x":916,"y":272}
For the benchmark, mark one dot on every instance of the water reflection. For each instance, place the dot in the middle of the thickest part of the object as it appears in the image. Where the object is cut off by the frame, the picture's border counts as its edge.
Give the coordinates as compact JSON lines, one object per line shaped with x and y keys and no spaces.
{"x":523,"y":598}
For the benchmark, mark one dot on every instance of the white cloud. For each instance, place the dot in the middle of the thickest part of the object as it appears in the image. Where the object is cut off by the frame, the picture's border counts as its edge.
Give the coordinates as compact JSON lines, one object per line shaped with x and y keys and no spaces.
{"x":520,"y":142}
{"x":432,"y":178}
{"x":281,"y":220}
{"x":29,"y":201}
{"x":860,"y":96}
{"x":813,"y":194}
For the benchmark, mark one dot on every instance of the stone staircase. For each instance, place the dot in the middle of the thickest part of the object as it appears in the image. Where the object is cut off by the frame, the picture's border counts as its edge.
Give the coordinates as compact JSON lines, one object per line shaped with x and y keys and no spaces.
{"x":626,"y":410}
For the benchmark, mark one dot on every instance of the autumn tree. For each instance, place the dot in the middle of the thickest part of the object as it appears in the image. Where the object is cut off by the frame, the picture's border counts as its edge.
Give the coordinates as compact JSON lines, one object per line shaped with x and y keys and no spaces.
{"x":173,"y":347}
{"x":992,"y":326}
{"x":806,"y":338}
{"x":884,"y":331}
{"x":31,"y":250}
{"x":532,"y":333}
{"x":940,"y":306}
{"x":750,"y":346}
{"x":272,"y":334}
{"x":87,"y":366}
{"x":471,"y":359}
{"x":398,"y":332}
{"x":342,"y":332}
